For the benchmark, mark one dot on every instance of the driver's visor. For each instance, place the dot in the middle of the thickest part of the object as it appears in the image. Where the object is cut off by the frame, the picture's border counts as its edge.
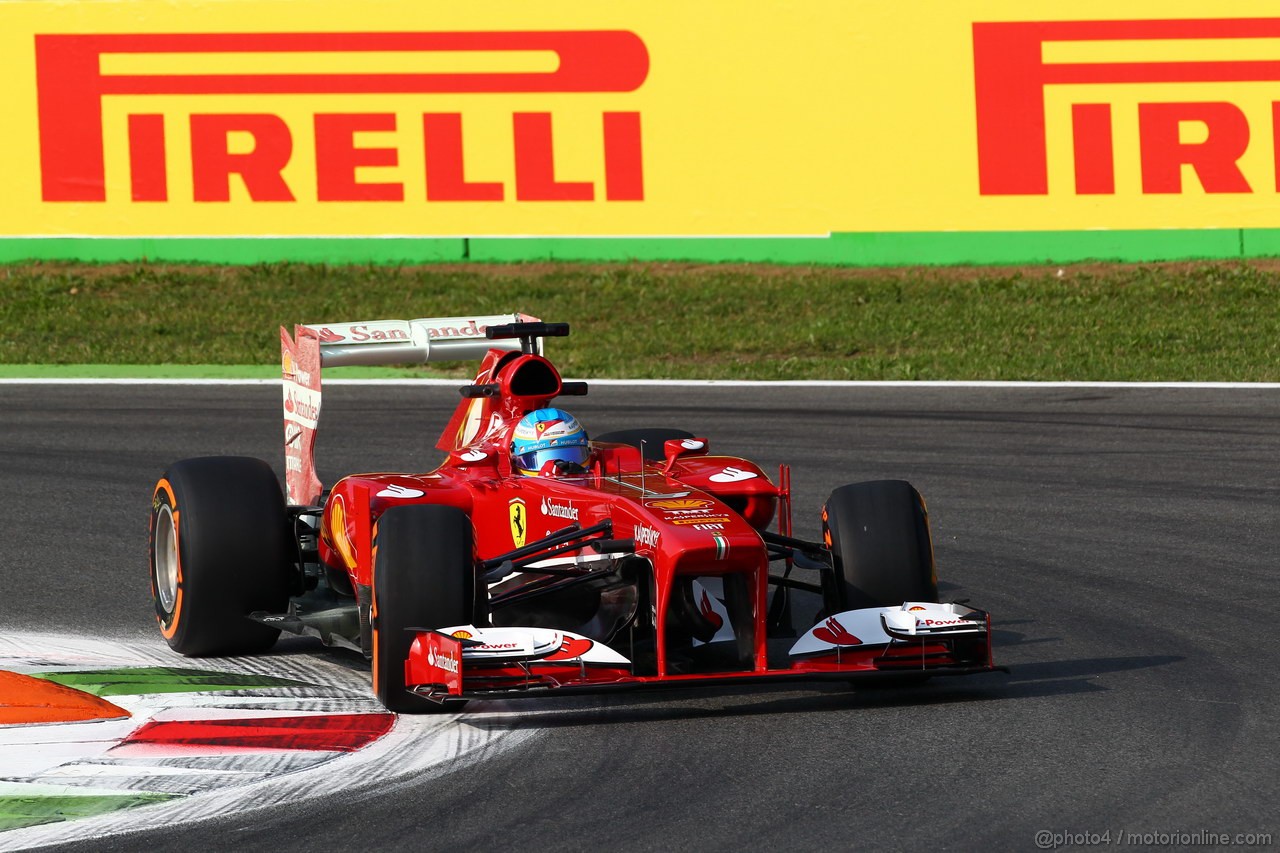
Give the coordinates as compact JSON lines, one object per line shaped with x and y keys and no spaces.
{"x":535,"y":459}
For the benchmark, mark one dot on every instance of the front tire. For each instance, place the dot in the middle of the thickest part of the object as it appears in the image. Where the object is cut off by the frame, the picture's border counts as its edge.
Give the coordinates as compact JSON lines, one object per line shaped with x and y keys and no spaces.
{"x":878,"y":533}
{"x":219,"y":550}
{"x":423,"y":577}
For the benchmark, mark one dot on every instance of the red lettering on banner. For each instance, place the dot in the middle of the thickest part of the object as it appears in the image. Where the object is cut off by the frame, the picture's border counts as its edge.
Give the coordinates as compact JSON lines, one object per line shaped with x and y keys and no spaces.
{"x":1214,"y":159}
{"x":71,"y":86}
{"x":623,"y":159}
{"x":1011,"y":76}
{"x":337,"y":158}
{"x":442,"y":138}
{"x":1275,"y":133}
{"x":1095,"y":160}
{"x":147,"y":175}
{"x":213,"y":164}
{"x":535,"y":163}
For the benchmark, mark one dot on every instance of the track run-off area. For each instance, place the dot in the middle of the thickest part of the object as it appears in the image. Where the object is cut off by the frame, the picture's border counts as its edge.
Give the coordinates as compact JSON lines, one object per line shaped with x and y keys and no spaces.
{"x":1124,"y":538}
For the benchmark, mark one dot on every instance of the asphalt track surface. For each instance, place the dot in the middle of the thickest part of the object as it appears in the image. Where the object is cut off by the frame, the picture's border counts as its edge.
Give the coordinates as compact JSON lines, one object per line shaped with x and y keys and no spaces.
{"x":1125,"y":540}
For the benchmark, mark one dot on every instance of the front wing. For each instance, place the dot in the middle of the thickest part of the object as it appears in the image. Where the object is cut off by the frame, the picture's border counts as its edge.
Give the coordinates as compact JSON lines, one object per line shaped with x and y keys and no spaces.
{"x":921,"y":638}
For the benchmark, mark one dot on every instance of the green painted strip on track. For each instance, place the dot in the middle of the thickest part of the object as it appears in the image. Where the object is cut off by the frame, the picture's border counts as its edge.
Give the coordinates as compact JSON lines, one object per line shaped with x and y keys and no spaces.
{"x":18,"y":812}
{"x":906,"y":248}
{"x":132,"y":681}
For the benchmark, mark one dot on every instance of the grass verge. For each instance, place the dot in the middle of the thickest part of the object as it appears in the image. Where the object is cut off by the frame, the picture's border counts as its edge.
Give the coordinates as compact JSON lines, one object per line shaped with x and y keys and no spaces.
{"x":1216,"y":321}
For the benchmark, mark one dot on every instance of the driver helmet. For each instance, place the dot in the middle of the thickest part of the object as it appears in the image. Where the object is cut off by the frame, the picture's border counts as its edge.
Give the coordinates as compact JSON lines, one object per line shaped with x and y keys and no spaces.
{"x":548,"y":435}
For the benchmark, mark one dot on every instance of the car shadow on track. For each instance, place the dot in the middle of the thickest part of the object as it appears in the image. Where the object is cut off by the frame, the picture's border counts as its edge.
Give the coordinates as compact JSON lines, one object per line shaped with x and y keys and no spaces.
{"x":1055,"y":678}
{"x":1022,"y":681}
{"x":1025,"y":681}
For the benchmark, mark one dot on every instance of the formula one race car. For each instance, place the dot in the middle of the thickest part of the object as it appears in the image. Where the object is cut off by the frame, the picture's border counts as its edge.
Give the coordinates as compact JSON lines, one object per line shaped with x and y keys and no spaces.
{"x":533,"y":562}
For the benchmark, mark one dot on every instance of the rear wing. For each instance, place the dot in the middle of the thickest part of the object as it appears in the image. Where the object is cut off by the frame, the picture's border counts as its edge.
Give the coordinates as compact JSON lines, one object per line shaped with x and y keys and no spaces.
{"x":367,"y":343}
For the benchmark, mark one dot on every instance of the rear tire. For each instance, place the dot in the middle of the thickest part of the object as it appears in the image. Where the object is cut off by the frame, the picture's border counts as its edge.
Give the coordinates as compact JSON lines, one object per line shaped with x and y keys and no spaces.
{"x":878,"y":533}
{"x":653,"y":439}
{"x":220,"y":549}
{"x":423,"y":577}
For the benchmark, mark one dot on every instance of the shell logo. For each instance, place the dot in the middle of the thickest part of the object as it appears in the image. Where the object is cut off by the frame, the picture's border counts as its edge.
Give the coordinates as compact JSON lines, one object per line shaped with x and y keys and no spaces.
{"x":680,"y":503}
{"x":463,"y":635}
{"x":916,"y":608}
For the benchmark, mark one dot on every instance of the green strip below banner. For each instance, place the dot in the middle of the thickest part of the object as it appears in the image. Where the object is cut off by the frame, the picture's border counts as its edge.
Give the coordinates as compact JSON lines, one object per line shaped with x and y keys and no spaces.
{"x":851,"y":249}
{"x":131,"y":681}
{"x":18,"y":812}
{"x":889,"y":248}
{"x":234,"y":250}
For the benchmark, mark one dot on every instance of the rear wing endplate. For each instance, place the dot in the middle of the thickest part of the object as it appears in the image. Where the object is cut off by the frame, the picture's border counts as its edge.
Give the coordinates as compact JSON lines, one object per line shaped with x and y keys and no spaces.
{"x":367,"y":343}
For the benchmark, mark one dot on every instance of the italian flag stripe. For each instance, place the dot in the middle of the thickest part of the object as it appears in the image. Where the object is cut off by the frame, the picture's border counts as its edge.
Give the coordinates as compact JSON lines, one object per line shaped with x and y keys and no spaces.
{"x":19,"y":811}
{"x":131,"y":681}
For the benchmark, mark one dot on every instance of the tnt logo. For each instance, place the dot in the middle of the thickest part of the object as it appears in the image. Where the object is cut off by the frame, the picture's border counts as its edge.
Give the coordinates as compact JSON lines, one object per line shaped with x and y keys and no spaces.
{"x":72,"y":87}
{"x":1011,"y":76}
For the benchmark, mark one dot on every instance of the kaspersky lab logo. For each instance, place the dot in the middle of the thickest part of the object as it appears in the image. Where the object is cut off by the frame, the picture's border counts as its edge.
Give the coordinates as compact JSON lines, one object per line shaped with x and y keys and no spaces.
{"x":1011,"y":77}
{"x":72,"y":87}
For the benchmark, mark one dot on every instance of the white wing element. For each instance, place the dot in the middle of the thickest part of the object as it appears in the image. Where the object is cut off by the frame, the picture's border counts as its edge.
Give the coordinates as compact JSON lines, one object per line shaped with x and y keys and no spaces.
{"x":530,"y":644}
{"x":370,"y":342}
{"x":379,"y":342}
{"x":873,"y":626}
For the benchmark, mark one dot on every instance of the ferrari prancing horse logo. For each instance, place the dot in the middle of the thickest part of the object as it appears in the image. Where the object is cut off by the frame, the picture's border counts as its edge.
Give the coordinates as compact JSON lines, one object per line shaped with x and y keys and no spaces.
{"x":518,"y":525}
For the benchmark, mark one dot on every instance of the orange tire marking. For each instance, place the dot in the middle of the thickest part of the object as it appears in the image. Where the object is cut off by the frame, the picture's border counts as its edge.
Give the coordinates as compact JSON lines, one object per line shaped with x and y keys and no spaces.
{"x":170,"y":631}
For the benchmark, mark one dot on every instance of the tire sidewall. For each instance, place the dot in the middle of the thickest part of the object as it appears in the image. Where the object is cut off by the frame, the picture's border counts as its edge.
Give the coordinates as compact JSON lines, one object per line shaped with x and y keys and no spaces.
{"x":233,"y":552}
{"x":878,"y":533}
{"x":163,"y":507}
{"x":423,"y":577}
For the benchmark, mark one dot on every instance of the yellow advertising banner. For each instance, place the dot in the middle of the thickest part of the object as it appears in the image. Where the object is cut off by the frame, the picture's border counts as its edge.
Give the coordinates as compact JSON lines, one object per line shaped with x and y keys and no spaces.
{"x":653,"y":118}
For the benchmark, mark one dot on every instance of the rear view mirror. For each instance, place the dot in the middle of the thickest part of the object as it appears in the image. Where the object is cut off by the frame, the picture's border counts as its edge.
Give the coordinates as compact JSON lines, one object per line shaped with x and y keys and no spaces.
{"x":674,"y":448}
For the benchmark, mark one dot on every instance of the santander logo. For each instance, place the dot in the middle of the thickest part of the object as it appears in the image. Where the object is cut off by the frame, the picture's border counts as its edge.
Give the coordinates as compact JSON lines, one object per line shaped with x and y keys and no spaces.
{"x":301,"y":405}
{"x":329,"y":336}
{"x":708,"y":612}
{"x":732,"y":475}
{"x":442,"y":661}
{"x":572,"y":647}
{"x":834,"y":633}
{"x":394,"y":490}
{"x":559,"y":510}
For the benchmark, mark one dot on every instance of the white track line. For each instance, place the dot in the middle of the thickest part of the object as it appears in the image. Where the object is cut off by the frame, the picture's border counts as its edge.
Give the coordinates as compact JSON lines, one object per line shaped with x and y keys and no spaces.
{"x":679,"y":383}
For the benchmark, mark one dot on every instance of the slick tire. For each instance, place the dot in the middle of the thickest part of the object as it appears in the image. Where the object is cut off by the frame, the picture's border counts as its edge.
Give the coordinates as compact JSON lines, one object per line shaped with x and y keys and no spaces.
{"x":220,"y":549}
{"x":423,"y":577}
{"x":650,"y":440}
{"x":879,"y":537}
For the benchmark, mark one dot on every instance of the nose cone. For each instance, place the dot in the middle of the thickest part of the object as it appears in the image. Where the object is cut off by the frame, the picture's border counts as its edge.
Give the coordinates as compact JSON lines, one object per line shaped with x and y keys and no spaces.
{"x":697,"y":529}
